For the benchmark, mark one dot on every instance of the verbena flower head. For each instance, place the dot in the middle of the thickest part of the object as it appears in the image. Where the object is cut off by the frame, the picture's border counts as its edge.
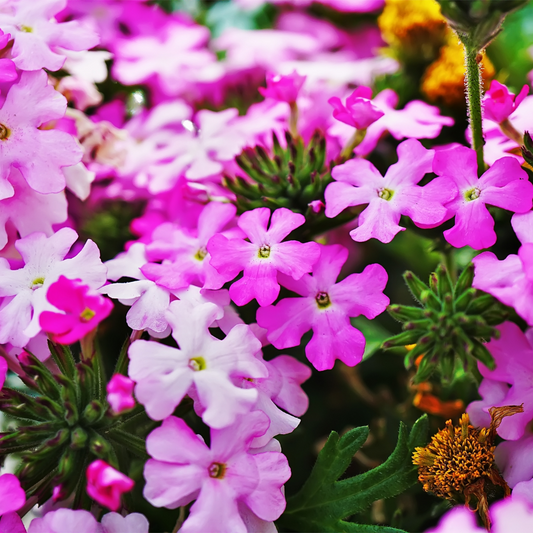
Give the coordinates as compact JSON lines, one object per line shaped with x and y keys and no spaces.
{"x":326,"y":307}
{"x":28,"y":104}
{"x":499,"y":103}
{"x":504,"y":185}
{"x":359,"y":110}
{"x":358,"y":182}
{"x":83,"y":309}
{"x":263,"y":256}
{"x":106,"y":485}
{"x":24,"y":290}
{"x":283,"y":88}
{"x":183,"y":468}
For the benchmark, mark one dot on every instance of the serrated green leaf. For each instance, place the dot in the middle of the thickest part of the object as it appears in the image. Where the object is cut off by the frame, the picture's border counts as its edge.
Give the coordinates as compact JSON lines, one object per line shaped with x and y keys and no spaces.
{"x":324,"y":502}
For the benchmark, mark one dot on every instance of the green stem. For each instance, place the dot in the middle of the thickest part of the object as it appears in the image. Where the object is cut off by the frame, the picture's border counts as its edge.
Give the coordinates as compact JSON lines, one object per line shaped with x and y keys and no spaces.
{"x":355,"y":140}
{"x":473,"y":97}
{"x":293,"y":120}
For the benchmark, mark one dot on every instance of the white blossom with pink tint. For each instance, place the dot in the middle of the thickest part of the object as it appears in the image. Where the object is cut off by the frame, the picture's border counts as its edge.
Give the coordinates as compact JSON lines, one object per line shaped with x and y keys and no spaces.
{"x":24,"y":290}
{"x":38,"y":38}
{"x":64,"y":520}
{"x":183,"y":468}
{"x":38,"y":154}
{"x":164,"y":374}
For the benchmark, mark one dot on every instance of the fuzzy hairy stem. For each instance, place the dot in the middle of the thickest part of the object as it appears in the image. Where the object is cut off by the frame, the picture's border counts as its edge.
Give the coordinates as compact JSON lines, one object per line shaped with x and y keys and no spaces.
{"x":473,"y":98}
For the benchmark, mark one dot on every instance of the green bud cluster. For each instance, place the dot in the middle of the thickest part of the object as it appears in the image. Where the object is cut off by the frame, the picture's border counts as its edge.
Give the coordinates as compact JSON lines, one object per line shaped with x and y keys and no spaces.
{"x":451,"y":326}
{"x":64,"y":424}
{"x":291,"y":177}
{"x":477,"y":22}
{"x":527,"y":148}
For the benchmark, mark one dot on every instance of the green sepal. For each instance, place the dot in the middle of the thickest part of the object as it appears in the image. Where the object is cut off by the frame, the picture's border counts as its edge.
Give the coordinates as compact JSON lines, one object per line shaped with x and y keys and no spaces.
{"x":481,"y":304}
{"x":425,"y":369}
{"x":444,"y":283}
{"x":527,"y":148}
{"x":480,"y":352}
{"x":62,"y":355}
{"x":415,"y":284}
{"x":324,"y":502}
{"x":78,"y":439}
{"x":405,"y":313}
{"x":406,"y":337}
{"x":93,"y":412}
{"x":465,"y":299}
{"x":465,"y":280}
{"x":430,"y":300}
{"x":42,"y":377}
{"x":20,"y":405}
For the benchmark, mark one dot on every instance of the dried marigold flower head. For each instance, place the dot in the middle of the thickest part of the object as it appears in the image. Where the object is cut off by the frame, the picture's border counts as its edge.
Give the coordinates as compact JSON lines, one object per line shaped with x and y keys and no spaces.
{"x":458,"y":463}
{"x":414,"y":27}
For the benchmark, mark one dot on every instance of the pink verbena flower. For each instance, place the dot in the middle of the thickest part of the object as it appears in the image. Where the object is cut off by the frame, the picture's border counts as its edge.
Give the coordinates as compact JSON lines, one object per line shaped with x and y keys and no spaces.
{"x":83,"y":310}
{"x":504,"y":185}
{"x":39,"y":38}
{"x":282,"y":88}
{"x":513,"y":458}
{"x":38,"y":154}
{"x":132,"y":523}
{"x":358,"y":182}
{"x":64,"y":520}
{"x":120,"y":393}
{"x":359,"y":110}
{"x":12,"y":496}
{"x":417,"y":120}
{"x":513,"y":355}
{"x":106,"y":485}
{"x":264,"y":256}
{"x":509,"y":280}
{"x":24,"y":290}
{"x":164,"y":374}
{"x":499,"y":103}
{"x":184,"y":468}
{"x":326,"y":307}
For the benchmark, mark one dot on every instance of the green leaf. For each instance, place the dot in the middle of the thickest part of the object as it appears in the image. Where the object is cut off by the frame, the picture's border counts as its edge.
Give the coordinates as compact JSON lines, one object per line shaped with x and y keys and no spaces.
{"x":373,"y":332}
{"x":324,"y":502}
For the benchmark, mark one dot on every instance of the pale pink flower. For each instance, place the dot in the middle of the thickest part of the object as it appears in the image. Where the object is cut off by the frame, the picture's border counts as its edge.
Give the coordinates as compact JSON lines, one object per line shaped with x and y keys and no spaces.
{"x":504,"y":185}
{"x":120,"y":393}
{"x":326,"y":307}
{"x":164,"y":374}
{"x":359,"y":110}
{"x":39,"y":39}
{"x":106,"y":485}
{"x":24,"y":290}
{"x":282,"y":88}
{"x":264,"y":256}
{"x":83,"y":309}
{"x":131,"y":523}
{"x":64,"y":520}
{"x":388,"y":197}
{"x":499,"y":103}
{"x":183,"y":468}
{"x":38,"y":154}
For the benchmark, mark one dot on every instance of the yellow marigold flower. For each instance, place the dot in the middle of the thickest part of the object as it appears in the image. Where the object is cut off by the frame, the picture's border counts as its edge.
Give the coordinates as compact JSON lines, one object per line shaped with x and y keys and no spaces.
{"x":458,"y":463}
{"x":413,"y":26}
{"x":444,"y":79}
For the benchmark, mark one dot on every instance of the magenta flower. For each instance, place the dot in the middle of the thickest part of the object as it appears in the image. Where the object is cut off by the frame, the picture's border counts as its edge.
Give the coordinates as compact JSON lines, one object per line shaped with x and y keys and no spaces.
{"x":106,"y":485}
{"x":504,"y":185}
{"x":83,"y":310}
{"x":359,"y":110}
{"x":264,"y":256}
{"x":39,"y":39}
{"x":164,"y":374}
{"x":509,"y":280}
{"x":12,"y":497}
{"x":358,"y":182}
{"x":38,"y":154}
{"x":183,"y":468}
{"x":513,"y":355}
{"x":283,"y":88}
{"x":499,"y":103}
{"x":120,"y":393}
{"x":25,"y":289}
{"x":326,"y":307}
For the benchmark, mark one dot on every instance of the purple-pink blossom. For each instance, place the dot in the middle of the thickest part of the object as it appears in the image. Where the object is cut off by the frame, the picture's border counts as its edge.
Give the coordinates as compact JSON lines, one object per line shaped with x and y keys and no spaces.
{"x":83,"y":309}
{"x":326,"y":307}
{"x":120,"y":393}
{"x":106,"y":485}
{"x":499,"y":103}
{"x":389,"y":197}
{"x":183,"y":468}
{"x":263,"y":256}
{"x":282,"y":88}
{"x":504,"y":185}
{"x":359,"y":110}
